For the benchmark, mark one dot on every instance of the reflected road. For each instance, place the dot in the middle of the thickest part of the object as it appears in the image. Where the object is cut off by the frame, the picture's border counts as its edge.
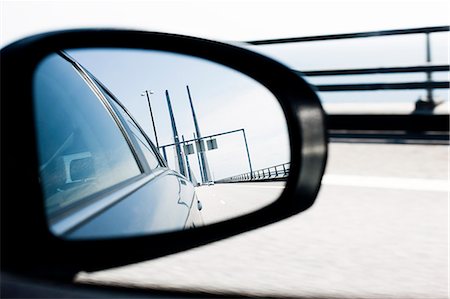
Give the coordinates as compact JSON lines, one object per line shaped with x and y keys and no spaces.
{"x":226,"y":201}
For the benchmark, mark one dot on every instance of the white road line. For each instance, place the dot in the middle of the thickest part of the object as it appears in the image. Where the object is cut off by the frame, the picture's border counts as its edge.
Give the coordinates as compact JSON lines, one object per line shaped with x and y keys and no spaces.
{"x":370,"y":182}
{"x":387,"y":182}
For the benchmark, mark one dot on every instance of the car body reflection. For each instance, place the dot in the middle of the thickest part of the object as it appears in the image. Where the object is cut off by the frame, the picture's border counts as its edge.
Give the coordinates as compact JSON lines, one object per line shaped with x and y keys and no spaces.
{"x":101,"y":175}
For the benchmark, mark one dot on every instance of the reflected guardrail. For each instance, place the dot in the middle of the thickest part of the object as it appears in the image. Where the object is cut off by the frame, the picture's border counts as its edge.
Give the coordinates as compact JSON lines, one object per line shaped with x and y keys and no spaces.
{"x":273,"y":173}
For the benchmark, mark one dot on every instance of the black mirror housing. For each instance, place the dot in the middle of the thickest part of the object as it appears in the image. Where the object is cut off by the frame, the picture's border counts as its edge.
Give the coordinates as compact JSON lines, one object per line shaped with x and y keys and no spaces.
{"x":27,"y":244}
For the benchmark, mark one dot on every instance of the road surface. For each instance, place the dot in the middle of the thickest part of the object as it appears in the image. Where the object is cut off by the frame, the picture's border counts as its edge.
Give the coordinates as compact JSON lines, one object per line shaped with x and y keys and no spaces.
{"x":379,"y":229}
{"x":225,"y":201}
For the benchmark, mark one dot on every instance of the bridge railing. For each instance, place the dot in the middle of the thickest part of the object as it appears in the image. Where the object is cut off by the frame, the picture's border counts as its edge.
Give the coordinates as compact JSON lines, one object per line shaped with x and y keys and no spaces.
{"x":423,"y":114}
{"x":273,"y":173}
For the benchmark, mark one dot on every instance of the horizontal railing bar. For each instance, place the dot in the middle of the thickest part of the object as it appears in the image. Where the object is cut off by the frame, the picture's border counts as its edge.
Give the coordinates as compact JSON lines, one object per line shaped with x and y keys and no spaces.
{"x":388,"y":122}
{"x":384,"y":86}
{"x":260,"y":174}
{"x":378,"y":137}
{"x":370,"y":126}
{"x":385,"y":70}
{"x":201,"y":138}
{"x":350,"y":35}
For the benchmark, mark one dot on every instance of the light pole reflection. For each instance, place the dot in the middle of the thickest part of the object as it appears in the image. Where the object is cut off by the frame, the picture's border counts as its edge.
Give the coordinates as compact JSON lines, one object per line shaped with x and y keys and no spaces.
{"x":148,"y":93}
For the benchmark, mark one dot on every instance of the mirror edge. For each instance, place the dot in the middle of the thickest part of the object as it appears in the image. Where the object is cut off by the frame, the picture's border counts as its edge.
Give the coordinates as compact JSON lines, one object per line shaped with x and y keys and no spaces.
{"x":304,"y":117}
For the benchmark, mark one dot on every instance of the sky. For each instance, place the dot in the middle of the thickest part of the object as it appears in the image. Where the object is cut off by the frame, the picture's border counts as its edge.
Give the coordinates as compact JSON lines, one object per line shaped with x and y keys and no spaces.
{"x":224,"y":100}
{"x":251,"y":20}
{"x":224,"y":20}
{"x":258,"y":19}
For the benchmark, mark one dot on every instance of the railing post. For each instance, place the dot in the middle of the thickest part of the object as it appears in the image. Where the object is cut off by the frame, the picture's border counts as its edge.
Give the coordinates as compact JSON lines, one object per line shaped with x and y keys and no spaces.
{"x":429,"y":77}
{"x":248,"y":153}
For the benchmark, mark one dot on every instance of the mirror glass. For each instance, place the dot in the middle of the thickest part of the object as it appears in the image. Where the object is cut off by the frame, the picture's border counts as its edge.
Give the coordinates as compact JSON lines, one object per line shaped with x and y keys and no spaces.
{"x":137,"y":142}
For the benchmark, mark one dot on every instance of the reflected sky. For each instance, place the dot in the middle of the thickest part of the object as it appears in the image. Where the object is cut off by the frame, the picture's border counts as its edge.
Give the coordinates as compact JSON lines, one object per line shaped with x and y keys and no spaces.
{"x":224,"y":100}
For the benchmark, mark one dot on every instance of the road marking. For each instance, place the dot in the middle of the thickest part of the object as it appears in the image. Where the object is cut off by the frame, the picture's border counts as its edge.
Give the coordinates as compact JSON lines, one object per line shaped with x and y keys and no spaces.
{"x":386,"y":182}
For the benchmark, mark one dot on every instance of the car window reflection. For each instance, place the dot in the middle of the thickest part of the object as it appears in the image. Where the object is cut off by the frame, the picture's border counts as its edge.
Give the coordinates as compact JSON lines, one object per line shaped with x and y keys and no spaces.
{"x":81,"y":150}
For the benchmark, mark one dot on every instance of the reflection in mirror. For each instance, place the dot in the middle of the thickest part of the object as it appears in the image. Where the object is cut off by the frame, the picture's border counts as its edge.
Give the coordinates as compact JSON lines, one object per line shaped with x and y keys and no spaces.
{"x":137,"y":142}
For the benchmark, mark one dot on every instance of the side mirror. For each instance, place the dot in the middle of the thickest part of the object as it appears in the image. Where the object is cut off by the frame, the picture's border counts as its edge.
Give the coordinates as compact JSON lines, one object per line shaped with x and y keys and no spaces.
{"x":97,"y":181}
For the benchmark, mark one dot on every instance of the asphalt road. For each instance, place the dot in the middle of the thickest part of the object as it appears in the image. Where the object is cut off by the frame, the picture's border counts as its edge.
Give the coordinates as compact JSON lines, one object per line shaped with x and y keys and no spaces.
{"x":379,"y":229}
{"x":225,"y":201}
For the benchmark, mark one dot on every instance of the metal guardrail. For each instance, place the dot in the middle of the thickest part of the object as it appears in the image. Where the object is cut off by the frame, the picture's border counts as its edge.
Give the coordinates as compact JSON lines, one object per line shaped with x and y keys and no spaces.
{"x":426,"y":30}
{"x":380,"y":70}
{"x":274,"y":173}
{"x":429,"y":85}
{"x":419,"y":125}
{"x":398,"y":129}
{"x":385,"y":86}
{"x":426,"y":126}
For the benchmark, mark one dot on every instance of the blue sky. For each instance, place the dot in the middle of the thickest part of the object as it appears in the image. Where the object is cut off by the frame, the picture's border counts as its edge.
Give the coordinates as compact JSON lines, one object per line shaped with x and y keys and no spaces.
{"x":224,"y":100}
